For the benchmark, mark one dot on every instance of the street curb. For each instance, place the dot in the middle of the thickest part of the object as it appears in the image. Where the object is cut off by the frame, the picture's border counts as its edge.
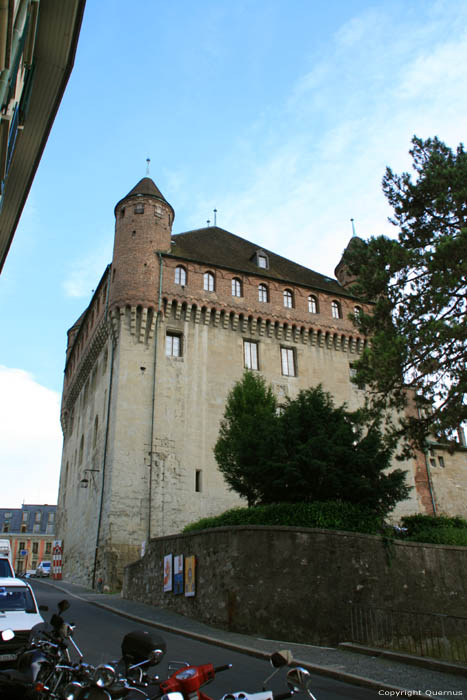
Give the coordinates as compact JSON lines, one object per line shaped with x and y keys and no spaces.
{"x":422,"y":661}
{"x":320,"y":670}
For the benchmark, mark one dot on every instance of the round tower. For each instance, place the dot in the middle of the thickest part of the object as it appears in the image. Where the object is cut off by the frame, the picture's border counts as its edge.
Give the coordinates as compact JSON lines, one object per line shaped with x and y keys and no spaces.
{"x":342,"y":271}
{"x":143,"y":228}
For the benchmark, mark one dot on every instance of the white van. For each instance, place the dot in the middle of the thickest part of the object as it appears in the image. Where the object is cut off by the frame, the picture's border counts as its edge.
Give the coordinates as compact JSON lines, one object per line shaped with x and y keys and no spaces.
{"x":44,"y":568}
{"x":18,"y":612}
{"x":6,"y":568}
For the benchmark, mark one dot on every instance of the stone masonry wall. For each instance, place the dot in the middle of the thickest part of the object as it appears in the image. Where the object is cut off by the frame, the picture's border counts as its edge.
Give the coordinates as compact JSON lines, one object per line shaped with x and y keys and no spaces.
{"x":292,"y":583}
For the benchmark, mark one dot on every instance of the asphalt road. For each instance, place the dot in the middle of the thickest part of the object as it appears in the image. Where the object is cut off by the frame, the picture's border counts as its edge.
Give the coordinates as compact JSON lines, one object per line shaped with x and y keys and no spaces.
{"x":99,"y":633}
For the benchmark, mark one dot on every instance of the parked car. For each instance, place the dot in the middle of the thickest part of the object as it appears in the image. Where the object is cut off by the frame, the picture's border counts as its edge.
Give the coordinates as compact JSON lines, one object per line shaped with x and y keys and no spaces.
{"x":18,"y":612}
{"x":6,"y":568}
{"x":44,"y":568}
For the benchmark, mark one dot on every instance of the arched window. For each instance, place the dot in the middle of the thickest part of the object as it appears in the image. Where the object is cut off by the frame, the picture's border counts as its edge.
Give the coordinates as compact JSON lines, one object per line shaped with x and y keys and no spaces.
{"x":336,"y":309}
{"x":263,"y":293}
{"x":236,"y":287}
{"x":357,"y":311}
{"x":312,"y":304}
{"x":288,"y":298}
{"x":180,"y":275}
{"x":208,"y":281}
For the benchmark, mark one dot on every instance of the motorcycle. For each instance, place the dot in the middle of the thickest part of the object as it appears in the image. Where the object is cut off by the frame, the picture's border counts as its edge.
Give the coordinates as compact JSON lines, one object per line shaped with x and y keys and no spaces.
{"x":186,"y":683}
{"x":126,"y":678}
{"x":37,"y":672}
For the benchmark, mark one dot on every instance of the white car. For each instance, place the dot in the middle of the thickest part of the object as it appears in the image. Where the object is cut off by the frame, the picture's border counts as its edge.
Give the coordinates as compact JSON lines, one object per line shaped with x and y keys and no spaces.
{"x":18,"y":612}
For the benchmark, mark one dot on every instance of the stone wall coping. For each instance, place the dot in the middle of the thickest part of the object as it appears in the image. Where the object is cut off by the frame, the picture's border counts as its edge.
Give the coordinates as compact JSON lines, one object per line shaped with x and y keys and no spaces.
{"x":306,"y":530}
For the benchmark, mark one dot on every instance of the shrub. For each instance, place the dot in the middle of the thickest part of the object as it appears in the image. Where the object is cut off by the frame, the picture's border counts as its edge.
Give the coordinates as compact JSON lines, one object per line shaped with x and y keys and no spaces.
{"x":328,"y":515}
{"x":436,"y":529}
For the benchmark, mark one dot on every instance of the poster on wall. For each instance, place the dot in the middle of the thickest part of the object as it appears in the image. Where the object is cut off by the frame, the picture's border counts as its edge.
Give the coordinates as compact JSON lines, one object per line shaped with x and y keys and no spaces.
{"x":167,"y":573}
{"x":178,"y":574}
{"x":190,"y":570}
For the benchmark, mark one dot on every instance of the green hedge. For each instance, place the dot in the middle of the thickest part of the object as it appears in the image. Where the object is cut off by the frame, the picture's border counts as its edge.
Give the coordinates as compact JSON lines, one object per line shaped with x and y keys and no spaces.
{"x":328,"y":515}
{"x":433,"y":529}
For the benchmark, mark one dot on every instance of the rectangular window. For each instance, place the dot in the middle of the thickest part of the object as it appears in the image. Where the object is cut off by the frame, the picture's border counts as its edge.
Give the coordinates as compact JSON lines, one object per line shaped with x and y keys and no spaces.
{"x":198,"y":480}
{"x":35,"y":547}
{"x":36,"y":527}
{"x":48,"y":547}
{"x":441,"y":461}
{"x":173,"y":345}
{"x":288,"y":362}
{"x":250,"y":354}
{"x":22,"y":545}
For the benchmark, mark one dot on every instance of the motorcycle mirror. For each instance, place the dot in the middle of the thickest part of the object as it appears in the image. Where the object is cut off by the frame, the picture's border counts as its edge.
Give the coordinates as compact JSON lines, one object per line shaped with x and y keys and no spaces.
{"x":156,"y":656}
{"x":63,"y":605}
{"x":7,"y":635}
{"x":281,"y":658}
{"x":43,"y":608}
{"x":299,"y":680}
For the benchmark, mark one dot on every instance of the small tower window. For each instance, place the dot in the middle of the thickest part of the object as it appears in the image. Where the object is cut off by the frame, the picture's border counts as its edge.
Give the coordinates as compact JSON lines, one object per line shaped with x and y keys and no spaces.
{"x":139,"y":208}
{"x":158,"y":211}
{"x":198,"y":480}
{"x":180,"y":275}
{"x":288,"y":298}
{"x":208,"y":282}
{"x":236,"y":287}
{"x":173,"y":344}
{"x":263,"y":293}
{"x":122,"y":212}
{"x":336,"y":309}
{"x":312,"y":304}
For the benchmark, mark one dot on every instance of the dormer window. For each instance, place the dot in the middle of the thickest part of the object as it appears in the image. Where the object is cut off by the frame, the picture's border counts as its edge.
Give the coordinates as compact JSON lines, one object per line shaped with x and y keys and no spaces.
{"x":262,"y":259}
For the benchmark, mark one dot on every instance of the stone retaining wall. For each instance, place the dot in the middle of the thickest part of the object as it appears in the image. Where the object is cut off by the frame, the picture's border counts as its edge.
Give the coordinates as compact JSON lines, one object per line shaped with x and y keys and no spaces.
{"x":298,"y":584}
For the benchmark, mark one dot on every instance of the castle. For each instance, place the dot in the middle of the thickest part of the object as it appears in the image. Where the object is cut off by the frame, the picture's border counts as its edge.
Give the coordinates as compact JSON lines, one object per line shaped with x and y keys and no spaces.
{"x":174,"y":321}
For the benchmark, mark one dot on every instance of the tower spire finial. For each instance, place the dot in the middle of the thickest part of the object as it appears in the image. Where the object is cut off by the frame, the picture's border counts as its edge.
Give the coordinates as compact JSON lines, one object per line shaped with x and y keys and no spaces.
{"x":148,"y":160}
{"x":353,"y":229}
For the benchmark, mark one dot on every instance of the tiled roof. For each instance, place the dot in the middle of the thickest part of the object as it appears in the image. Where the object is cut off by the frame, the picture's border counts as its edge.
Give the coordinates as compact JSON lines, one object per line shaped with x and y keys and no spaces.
{"x":148,"y":188}
{"x":217,"y":247}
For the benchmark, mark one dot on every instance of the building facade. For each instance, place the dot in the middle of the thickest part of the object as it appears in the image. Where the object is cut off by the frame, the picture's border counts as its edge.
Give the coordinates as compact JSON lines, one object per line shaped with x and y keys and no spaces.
{"x":31,"y":532}
{"x":171,"y":327}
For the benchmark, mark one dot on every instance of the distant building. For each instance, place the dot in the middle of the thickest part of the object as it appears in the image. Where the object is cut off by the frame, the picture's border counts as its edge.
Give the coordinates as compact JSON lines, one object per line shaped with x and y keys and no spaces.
{"x":171,"y":327}
{"x":37,"y":49}
{"x":31,"y":531}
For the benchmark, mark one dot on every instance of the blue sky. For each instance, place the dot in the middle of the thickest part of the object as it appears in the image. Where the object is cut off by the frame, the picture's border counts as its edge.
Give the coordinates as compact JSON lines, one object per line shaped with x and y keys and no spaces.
{"x":282,"y":114}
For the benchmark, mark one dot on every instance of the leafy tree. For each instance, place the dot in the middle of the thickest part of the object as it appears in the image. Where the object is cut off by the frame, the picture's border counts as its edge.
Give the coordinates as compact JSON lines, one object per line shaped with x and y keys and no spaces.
{"x":308,"y":451}
{"x":247,"y":436}
{"x":326,"y":453}
{"x":418,"y":281}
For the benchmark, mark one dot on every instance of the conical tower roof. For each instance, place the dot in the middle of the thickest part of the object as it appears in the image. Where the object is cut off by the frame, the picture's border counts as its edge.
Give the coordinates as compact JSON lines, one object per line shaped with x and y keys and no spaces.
{"x":147,"y":188}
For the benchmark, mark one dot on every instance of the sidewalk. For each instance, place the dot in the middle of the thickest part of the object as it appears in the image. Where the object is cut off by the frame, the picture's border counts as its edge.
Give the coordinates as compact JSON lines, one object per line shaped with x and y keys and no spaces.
{"x":392,"y":675}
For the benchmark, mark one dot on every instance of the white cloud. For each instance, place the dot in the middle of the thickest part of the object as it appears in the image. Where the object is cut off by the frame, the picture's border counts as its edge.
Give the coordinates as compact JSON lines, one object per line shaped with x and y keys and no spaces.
{"x":378,"y":82}
{"x":30,"y":440}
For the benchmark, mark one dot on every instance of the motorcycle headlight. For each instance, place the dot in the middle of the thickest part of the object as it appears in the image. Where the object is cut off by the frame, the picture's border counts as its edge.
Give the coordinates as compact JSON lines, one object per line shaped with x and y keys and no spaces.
{"x":71,"y":690}
{"x":104,"y":676}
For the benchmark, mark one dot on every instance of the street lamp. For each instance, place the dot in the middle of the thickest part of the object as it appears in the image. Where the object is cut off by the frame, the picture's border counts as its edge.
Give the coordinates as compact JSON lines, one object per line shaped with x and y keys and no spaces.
{"x":84,"y":483}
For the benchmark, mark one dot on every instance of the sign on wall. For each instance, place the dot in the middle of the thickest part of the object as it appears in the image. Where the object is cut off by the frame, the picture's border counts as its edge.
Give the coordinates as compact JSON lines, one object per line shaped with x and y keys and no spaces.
{"x":167,"y":573}
{"x":190,"y":571}
{"x":178,"y":574}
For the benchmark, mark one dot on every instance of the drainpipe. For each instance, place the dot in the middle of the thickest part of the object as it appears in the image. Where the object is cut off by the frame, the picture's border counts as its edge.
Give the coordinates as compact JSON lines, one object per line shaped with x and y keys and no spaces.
{"x":106,"y":439}
{"x":156,"y":334}
{"x":428,"y":473}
